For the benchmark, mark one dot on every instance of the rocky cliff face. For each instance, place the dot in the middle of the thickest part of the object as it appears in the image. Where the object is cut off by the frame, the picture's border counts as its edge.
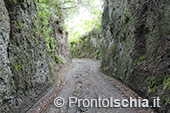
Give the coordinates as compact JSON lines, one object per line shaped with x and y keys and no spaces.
{"x":136,"y":46}
{"x":25,"y":72}
{"x":88,"y":46}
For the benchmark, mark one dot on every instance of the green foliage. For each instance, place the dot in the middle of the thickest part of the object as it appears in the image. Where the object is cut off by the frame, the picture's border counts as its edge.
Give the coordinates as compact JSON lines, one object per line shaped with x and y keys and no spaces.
{"x":35,"y":39}
{"x":165,"y":97}
{"x":126,"y":15}
{"x":18,"y":25}
{"x":59,"y":78}
{"x":43,"y":29}
{"x":151,"y":84}
{"x":136,"y":22}
{"x":88,"y":19}
{"x":154,"y":83}
{"x":45,"y":10}
{"x":140,"y":59}
{"x":17,"y":66}
{"x":105,"y":68}
{"x":36,"y":23}
{"x":36,"y":31}
{"x":47,"y":2}
{"x":97,"y":55}
{"x":167,"y":101}
{"x":58,"y":59}
{"x":51,"y":80}
{"x":121,"y":78}
{"x":75,"y":51}
{"x":166,"y":83}
{"x":84,"y":48}
{"x":69,"y":9}
{"x":113,"y":74}
{"x":113,"y":47}
{"x":44,"y":19}
{"x":86,"y":26}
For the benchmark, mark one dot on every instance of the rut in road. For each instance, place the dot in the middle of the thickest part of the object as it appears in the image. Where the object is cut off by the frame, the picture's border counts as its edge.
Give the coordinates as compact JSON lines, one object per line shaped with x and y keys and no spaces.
{"x":85,"y":81}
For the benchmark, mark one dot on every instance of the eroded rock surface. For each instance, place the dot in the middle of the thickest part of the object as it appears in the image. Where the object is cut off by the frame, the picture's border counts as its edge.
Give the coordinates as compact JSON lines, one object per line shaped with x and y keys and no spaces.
{"x":88,"y":46}
{"x":135,"y":45}
{"x":25,"y":74}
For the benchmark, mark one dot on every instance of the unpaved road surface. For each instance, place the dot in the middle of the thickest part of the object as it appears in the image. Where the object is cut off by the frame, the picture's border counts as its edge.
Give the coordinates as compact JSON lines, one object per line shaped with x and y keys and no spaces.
{"x":85,"y":81}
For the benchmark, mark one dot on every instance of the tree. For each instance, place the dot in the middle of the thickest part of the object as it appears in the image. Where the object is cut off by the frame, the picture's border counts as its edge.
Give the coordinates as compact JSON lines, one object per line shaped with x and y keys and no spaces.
{"x":78,"y":28}
{"x":70,"y":10}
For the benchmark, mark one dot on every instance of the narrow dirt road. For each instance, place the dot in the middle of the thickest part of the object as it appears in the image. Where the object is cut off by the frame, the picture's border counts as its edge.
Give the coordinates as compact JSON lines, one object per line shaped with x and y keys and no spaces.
{"x":85,"y":81}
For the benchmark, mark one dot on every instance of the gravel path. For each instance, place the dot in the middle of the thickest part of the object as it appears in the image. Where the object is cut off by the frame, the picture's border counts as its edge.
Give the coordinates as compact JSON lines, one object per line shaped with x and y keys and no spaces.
{"x":85,"y":81}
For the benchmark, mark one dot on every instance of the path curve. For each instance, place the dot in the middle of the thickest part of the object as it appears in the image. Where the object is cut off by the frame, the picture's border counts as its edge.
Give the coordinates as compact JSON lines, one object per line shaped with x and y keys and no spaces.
{"x":85,"y":81}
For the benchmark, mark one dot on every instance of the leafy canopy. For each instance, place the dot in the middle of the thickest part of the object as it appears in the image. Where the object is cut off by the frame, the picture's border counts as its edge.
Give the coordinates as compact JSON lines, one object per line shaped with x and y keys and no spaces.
{"x":83,"y":18}
{"x":80,"y":16}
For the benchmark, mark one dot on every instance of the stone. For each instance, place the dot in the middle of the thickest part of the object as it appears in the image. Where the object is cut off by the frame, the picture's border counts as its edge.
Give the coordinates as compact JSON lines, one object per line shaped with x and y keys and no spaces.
{"x":138,"y":33}
{"x":25,"y":73}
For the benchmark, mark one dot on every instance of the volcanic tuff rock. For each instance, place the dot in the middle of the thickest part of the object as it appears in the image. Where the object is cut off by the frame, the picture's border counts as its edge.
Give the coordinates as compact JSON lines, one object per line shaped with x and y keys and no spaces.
{"x":135,"y":46}
{"x":24,"y":61}
{"x":88,"y":46}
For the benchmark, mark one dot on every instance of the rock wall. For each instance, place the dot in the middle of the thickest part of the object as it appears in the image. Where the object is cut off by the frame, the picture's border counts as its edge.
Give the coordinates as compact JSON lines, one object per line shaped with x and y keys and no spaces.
{"x":88,"y":46}
{"x":135,"y":46}
{"x":25,"y":72}
{"x":60,"y":41}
